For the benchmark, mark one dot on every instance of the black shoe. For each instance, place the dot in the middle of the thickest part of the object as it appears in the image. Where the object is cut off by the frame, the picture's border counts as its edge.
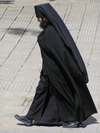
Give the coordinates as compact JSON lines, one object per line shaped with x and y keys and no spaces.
{"x":23,"y":119}
{"x":72,"y":125}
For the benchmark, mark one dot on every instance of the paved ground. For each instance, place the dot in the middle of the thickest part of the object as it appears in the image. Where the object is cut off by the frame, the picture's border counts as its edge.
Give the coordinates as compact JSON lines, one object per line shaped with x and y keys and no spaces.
{"x":20,"y":60}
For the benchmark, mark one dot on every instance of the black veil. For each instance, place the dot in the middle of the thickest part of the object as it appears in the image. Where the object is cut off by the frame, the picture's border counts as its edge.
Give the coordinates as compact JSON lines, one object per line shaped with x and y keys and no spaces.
{"x":49,"y":12}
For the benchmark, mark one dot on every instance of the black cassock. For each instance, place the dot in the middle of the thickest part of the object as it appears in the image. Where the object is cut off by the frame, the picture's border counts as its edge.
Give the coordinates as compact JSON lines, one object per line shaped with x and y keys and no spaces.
{"x":62,"y":94}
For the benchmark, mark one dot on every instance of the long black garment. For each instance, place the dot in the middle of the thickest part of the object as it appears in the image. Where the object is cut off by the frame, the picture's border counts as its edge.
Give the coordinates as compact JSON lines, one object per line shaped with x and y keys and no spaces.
{"x":62,"y":94}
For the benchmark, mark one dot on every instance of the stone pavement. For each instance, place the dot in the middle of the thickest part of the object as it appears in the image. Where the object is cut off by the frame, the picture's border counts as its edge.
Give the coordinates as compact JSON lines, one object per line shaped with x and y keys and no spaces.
{"x":20,"y":60}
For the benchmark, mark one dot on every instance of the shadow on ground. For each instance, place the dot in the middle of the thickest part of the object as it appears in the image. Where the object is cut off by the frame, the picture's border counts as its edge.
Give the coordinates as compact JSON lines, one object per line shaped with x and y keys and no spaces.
{"x":20,"y":31}
{"x":6,"y":1}
{"x":89,"y":121}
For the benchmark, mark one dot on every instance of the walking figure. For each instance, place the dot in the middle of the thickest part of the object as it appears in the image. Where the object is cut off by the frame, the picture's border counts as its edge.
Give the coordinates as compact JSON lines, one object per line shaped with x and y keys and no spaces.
{"x":62,"y":96}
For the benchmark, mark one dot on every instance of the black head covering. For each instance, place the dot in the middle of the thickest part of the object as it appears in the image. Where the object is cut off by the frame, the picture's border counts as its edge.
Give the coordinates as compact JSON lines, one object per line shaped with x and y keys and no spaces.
{"x":38,"y":12}
{"x":49,"y":12}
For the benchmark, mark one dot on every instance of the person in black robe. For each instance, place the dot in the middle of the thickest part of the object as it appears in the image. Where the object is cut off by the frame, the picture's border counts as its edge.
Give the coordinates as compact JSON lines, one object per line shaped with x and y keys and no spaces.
{"x":62,"y":96}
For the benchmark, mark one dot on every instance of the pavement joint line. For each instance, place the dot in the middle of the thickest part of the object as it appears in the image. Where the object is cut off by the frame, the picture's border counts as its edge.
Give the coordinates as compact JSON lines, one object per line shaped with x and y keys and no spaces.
{"x":69,"y":12}
{"x":94,"y":40}
{"x":4,"y":13}
{"x":12,"y":23}
{"x":81,"y":22}
{"x":65,"y":13}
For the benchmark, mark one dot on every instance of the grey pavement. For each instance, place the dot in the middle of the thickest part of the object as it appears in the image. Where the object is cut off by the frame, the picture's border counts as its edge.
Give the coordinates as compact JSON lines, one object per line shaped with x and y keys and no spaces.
{"x":20,"y":59}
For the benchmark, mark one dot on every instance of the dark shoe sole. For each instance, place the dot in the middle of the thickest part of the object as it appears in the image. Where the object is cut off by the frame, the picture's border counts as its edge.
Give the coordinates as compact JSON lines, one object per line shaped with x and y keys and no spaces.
{"x":73,"y":125}
{"x":26,"y":123}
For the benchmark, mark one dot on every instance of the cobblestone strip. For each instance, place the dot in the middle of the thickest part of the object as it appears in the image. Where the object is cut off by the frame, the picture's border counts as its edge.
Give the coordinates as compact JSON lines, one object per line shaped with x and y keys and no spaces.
{"x":61,"y":8}
{"x":4,"y":11}
{"x":92,"y":48}
{"x":88,"y":28}
{"x":12,"y":23}
{"x":68,"y":11}
{"x":82,"y":21}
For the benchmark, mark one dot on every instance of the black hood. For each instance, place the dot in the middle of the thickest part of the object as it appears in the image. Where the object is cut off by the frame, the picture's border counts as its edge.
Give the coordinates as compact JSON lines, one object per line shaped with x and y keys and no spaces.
{"x":38,"y":12}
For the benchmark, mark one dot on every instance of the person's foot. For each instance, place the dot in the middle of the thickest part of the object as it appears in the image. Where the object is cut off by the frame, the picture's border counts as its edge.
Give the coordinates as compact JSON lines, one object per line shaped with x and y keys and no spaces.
{"x":72,"y":125}
{"x":23,"y":119}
